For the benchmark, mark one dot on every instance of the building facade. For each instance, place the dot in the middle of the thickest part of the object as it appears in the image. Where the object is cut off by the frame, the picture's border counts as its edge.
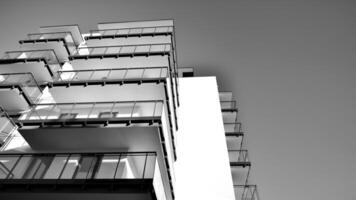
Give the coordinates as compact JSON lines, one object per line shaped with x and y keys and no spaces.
{"x":108,"y":115}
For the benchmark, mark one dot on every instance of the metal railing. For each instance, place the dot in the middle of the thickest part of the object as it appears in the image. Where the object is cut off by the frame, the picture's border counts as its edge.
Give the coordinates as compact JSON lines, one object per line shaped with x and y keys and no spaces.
{"x":118,"y":50}
{"x":228,"y":105}
{"x":238,"y":156}
{"x":26,"y":81}
{"x":7,"y":126}
{"x":233,"y":127}
{"x":67,"y":36}
{"x":107,"y":75}
{"x":47,"y":55}
{"x":246,"y":192}
{"x":95,"y":111}
{"x":78,"y":166}
{"x":137,"y":31}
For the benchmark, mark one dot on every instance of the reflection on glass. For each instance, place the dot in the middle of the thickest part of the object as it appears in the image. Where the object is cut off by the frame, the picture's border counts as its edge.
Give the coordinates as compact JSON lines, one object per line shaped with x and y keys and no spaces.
{"x":6,"y":164}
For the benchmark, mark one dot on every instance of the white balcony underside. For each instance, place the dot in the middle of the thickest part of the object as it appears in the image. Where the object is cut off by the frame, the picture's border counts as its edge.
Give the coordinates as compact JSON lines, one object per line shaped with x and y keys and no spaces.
{"x":97,"y":93}
{"x":38,"y":69}
{"x":12,"y":101}
{"x":116,"y":63}
{"x":129,"y":41}
{"x":119,"y":139}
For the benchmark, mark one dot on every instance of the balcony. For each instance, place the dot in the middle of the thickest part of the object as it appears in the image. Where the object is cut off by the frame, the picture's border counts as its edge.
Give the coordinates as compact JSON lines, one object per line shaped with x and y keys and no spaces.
{"x":228,"y":106}
{"x":7,"y":126}
{"x":130,"y":32}
{"x":72,"y":28}
{"x":116,"y":77}
{"x":239,"y":158}
{"x":146,"y":56}
{"x":128,"y":175}
{"x":233,"y":129}
{"x":104,"y":113}
{"x":112,"y":76}
{"x":122,"y":51}
{"x":62,"y":43}
{"x":31,"y":61}
{"x":240,"y":166}
{"x":246,"y":192}
{"x":132,"y":125}
{"x":26,"y":87}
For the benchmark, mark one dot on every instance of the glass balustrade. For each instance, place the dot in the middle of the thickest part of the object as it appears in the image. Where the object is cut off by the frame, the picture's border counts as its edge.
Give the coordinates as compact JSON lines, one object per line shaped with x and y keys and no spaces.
{"x":233,"y":127}
{"x":67,"y":36}
{"x":94,"y":111}
{"x":228,"y":105}
{"x":135,"y":31}
{"x":238,"y":156}
{"x":107,"y":75}
{"x":25,"y":81}
{"x":246,"y":192}
{"x":116,"y":51}
{"x":73,"y":166}
{"x":7,"y":126}
{"x":48,"y":56}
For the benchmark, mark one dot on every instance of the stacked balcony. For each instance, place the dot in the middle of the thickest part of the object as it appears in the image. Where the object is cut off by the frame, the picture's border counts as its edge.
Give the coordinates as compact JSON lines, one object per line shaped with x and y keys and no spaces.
{"x":239,"y":160}
{"x":126,"y":174}
{"x":94,"y":111}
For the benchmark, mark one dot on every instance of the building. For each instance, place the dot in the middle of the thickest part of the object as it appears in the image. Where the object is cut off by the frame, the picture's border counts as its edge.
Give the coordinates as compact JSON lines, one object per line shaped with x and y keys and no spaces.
{"x":108,"y":115}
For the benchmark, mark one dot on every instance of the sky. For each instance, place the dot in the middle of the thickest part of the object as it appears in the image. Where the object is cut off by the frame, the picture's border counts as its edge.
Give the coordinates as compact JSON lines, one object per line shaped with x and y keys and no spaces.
{"x":291,"y":65}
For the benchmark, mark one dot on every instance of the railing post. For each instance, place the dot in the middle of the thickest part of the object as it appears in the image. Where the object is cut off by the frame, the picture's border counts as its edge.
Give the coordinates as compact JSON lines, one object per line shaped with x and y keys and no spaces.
{"x":144,"y":168}
{"x":118,"y":162}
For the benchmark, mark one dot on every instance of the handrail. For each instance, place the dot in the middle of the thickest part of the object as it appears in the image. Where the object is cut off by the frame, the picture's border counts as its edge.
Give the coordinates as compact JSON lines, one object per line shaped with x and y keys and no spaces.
{"x":100,"y":102}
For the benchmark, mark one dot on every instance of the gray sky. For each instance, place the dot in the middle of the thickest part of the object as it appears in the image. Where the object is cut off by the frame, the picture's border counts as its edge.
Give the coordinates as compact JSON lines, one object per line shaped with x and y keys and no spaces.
{"x":291,"y":65}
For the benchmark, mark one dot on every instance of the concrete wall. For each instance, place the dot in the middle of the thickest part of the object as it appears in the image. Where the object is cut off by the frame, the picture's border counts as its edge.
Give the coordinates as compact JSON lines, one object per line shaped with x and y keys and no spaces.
{"x":202,"y":168}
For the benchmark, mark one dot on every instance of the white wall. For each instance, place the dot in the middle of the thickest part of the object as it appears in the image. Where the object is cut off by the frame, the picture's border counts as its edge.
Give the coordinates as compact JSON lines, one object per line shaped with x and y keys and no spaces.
{"x":202,"y":167}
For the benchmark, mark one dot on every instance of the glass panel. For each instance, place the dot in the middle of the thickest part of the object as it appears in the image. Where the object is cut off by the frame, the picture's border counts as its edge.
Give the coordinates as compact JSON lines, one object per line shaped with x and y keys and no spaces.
{"x":38,"y":167}
{"x":130,"y":167}
{"x":22,"y":167}
{"x":86,"y":167}
{"x":107,"y":167}
{"x":6,"y":164}
{"x":56,"y":167}
{"x":150,"y":166}
{"x":71,"y":167}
